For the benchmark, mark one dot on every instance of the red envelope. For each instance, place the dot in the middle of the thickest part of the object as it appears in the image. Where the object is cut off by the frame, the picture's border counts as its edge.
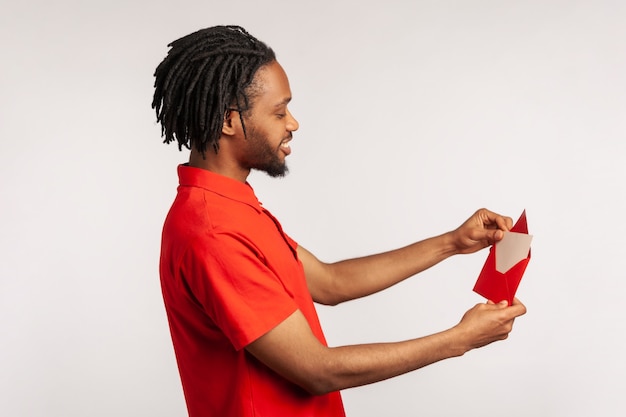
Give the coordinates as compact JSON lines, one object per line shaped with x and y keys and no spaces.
{"x":497,"y":286}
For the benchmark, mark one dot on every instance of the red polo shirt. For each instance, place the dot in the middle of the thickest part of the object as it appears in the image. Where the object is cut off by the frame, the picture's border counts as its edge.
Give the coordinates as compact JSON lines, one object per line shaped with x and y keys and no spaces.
{"x":229,"y":274}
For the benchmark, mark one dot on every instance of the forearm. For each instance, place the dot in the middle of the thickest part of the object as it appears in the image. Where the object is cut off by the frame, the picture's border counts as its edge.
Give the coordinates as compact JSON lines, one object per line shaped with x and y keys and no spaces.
{"x":360,"y":277}
{"x":291,"y":350}
{"x":351,"y":366}
{"x":363,"y":364}
{"x":346,"y":280}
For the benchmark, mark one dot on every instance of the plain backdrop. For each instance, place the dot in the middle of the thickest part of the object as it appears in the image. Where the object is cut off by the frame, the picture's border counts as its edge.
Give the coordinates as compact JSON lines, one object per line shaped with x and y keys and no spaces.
{"x":413,"y":114}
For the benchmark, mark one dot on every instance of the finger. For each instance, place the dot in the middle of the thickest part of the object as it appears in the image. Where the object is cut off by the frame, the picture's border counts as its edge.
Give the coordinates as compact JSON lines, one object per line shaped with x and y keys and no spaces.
{"x":493,"y":221}
{"x":513,"y":311}
{"x":517,"y":302}
{"x":519,"y":307}
{"x":504,"y":223}
{"x":501,"y":222}
{"x":489,"y":236}
{"x":500,"y":304}
{"x":487,"y":217}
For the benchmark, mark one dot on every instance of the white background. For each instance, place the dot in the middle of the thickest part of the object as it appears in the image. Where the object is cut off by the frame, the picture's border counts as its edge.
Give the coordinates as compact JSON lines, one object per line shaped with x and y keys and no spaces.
{"x":412,"y":114}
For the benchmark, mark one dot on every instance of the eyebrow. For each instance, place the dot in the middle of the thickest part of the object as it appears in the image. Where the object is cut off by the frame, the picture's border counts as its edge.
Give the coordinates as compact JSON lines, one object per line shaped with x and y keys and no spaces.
{"x":284,"y":102}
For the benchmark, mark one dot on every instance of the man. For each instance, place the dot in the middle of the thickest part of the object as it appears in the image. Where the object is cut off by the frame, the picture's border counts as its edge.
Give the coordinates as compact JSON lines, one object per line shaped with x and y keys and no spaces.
{"x":238,"y":291}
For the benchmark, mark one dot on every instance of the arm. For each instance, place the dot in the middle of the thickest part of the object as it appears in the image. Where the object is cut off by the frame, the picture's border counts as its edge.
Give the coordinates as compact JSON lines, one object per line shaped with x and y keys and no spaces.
{"x":333,"y":283}
{"x":292,"y":350}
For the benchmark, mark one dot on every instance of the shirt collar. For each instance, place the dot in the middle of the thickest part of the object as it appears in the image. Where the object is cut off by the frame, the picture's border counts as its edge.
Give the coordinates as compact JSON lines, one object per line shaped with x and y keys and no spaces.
{"x":219,"y":184}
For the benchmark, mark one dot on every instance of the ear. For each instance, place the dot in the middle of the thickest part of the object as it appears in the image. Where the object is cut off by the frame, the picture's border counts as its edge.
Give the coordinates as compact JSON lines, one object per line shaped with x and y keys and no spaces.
{"x":231,"y":121}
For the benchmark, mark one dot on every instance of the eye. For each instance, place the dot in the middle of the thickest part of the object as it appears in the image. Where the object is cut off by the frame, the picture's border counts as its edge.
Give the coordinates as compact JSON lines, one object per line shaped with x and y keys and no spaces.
{"x":281,"y":115}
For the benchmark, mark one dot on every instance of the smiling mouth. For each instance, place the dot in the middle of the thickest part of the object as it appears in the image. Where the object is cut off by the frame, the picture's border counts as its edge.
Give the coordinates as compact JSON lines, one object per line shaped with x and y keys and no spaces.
{"x":284,"y":145}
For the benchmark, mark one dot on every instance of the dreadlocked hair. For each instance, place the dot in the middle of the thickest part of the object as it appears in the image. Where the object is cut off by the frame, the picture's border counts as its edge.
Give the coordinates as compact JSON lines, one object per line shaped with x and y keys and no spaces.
{"x":204,"y":75}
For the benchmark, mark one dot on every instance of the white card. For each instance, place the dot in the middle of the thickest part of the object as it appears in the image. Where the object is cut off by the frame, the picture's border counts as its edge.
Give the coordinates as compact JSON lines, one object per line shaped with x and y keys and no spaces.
{"x":511,"y":249}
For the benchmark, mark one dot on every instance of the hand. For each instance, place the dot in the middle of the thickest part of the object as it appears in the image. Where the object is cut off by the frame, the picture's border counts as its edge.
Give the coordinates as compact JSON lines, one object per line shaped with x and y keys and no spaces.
{"x":487,"y":323}
{"x":483,"y":229}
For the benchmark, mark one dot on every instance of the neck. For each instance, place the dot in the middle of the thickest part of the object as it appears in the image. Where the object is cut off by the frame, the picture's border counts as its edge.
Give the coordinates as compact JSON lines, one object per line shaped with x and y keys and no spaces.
{"x":215,"y":162}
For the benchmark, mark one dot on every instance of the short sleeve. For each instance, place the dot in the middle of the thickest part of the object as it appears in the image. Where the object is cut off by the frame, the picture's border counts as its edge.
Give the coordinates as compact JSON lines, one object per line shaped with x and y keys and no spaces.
{"x":228,"y":276}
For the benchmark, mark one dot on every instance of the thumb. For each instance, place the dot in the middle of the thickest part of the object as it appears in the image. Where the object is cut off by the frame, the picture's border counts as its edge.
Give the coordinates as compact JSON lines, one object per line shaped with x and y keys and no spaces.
{"x":497,"y":235}
{"x":503,"y":303}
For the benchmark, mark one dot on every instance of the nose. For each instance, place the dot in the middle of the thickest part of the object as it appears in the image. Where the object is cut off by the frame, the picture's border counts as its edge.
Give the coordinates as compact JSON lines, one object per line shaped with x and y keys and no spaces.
{"x":292,"y":123}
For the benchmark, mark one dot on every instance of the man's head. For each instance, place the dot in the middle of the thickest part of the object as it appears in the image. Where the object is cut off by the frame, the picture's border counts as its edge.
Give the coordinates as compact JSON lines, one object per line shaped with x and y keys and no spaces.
{"x":266,"y":143}
{"x":204,"y":76}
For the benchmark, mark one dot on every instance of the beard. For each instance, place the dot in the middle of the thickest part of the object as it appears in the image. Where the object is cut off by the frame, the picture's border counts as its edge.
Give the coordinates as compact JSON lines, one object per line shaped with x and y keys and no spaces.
{"x":263,"y":157}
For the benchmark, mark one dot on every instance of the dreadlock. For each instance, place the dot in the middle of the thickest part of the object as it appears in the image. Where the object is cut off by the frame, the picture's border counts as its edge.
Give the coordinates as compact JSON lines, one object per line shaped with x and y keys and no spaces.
{"x":204,"y":75}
